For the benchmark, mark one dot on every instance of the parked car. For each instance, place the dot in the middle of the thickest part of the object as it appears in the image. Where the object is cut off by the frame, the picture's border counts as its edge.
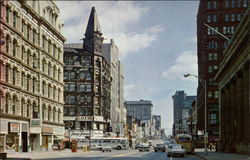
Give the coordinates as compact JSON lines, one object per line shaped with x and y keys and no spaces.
{"x":106,"y":148}
{"x":160,"y":147}
{"x":144,"y":147}
{"x":175,"y":150}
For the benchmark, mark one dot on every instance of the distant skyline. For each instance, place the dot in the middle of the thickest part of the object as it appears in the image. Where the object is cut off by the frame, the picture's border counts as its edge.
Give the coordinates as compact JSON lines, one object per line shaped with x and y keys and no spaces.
{"x":157,"y":44}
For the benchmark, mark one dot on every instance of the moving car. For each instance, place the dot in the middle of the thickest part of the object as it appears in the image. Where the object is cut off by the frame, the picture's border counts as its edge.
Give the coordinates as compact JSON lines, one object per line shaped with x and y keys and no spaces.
{"x":160,"y":147}
{"x":176,"y":150}
{"x":144,"y":147}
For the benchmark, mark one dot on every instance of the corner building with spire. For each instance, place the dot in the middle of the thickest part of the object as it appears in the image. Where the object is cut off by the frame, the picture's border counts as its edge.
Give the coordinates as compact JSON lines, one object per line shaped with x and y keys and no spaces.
{"x":87,"y":85}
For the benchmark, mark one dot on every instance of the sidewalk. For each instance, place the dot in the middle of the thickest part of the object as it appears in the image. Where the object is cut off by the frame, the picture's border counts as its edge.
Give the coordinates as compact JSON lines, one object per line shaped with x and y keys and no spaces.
{"x":212,"y":155}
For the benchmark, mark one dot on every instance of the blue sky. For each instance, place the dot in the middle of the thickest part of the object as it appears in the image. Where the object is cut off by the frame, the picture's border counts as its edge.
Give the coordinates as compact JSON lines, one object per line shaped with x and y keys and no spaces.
{"x":157,"y":43}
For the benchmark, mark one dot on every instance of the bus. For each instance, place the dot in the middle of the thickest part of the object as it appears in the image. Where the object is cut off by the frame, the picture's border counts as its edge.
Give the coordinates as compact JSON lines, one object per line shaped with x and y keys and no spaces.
{"x":186,"y":141}
{"x":96,"y":143}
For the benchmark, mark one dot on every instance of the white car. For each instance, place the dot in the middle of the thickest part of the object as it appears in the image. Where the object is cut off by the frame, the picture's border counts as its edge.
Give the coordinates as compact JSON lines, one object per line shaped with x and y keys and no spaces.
{"x":106,"y":148}
{"x":176,"y":150}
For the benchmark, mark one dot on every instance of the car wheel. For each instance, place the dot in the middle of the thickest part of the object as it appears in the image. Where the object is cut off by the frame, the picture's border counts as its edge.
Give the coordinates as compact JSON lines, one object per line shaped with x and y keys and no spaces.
{"x":110,"y":151}
{"x":119,"y":148}
{"x":155,"y":150}
{"x":102,"y":151}
{"x":169,"y":155}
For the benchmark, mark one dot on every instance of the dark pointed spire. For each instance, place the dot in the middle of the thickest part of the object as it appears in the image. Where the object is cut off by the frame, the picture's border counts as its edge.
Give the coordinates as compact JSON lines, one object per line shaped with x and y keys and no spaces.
{"x":93,"y":23}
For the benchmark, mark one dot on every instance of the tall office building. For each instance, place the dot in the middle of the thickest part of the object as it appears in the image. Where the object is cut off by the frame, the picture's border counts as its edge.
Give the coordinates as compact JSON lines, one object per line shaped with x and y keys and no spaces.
{"x":31,"y":81}
{"x":117,"y":110}
{"x":223,"y":16}
{"x":87,"y":84}
{"x":181,"y":103}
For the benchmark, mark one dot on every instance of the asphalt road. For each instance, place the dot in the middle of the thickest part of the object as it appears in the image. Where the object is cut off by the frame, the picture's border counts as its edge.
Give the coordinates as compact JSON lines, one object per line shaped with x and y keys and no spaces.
{"x":114,"y":155}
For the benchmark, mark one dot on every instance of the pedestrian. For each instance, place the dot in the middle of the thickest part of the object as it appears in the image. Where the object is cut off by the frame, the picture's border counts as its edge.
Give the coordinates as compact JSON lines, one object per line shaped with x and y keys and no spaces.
{"x":216,"y":147}
{"x":58,"y":145}
{"x":210,"y":146}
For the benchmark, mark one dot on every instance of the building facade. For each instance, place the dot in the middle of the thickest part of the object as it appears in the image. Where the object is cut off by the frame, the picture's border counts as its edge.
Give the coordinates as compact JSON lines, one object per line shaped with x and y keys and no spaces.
{"x":140,"y":112}
{"x":223,"y":16}
{"x":234,"y":79}
{"x":87,"y":84}
{"x":31,"y":65}
{"x":157,"y":119}
{"x":117,"y":109}
{"x":181,"y":105}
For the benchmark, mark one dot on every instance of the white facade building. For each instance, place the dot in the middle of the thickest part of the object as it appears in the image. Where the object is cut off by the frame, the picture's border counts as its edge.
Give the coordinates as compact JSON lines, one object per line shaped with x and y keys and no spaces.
{"x":31,"y":81}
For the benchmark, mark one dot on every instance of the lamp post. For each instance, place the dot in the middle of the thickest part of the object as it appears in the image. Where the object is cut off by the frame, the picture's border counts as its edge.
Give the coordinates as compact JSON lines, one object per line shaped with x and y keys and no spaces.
{"x":204,"y":84}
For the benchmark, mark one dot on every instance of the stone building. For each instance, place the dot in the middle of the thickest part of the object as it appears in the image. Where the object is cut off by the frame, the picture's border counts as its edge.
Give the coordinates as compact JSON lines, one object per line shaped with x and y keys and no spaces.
{"x":234,"y":79}
{"x":223,"y":16}
{"x":117,"y":109}
{"x":87,"y":84}
{"x":31,"y":81}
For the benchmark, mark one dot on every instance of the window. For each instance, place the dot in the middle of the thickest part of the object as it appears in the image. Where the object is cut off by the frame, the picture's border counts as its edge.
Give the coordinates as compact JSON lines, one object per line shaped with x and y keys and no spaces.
{"x":14,"y":105}
{"x":213,"y":118}
{"x":233,"y":3}
{"x":14,"y":19}
{"x":82,"y":87}
{"x":54,"y":72}
{"x":245,"y":3}
{"x":208,"y":5}
{"x":226,"y":3}
{"x":214,"y":18}
{"x":88,"y":76}
{"x":44,"y":42}
{"x":72,"y":75}
{"x":72,"y":111}
{"x":238,"y":17}
{"x":34,"y":85}
{"x":72,"y":87}
{"x":8,"y":15}
{"x":71,"y":60}
{"x":28,"y":82}
{"x":66,"y":60}
{"x":14,"y":76}
{"x":215,"y":4}
{"x":210,"y":69}
{"x":28,"y":32}
{"x":7,"y":43}
{"x":81,"y":75}
{"x":72,"y":99}
{"x":210,"y":56}
{"x":66,"y":75}
{"x":66,"y":87}
{"x":210,"y":81}
{"x":34,"y":36}
{"x":232,"y":17}
{"x":22,"y":79}
{"x":238,"y":3}
{"x":44,"y":63}
{"x":28,"y":57}
{"x":35,"y":111}
{"x":216,"y":94}
{"x":212,"y":45}
{"x":209,"y":94}
{"x":22,"y":54}
{"x":226,"y":17}
{"x":212,"y":31}
{"x":208,"y":18}
{"x":88,"y":88}
{"x":43,"y":88}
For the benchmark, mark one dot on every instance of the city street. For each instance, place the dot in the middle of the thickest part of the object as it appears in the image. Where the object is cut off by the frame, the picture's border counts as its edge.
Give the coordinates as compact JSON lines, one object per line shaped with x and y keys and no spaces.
{"x":96,"y":155}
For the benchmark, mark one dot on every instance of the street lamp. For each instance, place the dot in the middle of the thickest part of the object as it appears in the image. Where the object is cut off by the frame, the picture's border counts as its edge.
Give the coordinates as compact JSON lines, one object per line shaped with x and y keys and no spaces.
{"x":204,"y":84}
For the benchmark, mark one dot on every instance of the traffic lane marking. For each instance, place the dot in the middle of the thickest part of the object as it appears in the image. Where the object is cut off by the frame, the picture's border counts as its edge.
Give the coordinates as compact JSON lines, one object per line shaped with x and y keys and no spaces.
{"x":120,"y":155}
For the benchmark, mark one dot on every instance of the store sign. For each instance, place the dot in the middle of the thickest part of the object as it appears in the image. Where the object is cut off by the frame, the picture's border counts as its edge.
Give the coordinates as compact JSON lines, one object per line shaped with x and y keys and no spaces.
{"x":84,"y":118}
{"x":14,"y":127}
{"x":24,"y":127}
{"x":35,"y":122}
{"x":48,"y":130}
{"x":79,"y":134}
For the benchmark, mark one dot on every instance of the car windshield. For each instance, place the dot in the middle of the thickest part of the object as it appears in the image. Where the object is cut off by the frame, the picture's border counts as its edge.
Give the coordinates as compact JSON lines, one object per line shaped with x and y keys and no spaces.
{"x":160,"y":145}
{"x":177,"y":147}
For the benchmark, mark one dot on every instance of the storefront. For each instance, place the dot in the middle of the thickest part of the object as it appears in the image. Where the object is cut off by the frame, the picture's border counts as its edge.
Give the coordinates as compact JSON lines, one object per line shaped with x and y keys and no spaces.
{"x":12,"y":138}
{"x":58,"y":136}
{"x":47,"y":133}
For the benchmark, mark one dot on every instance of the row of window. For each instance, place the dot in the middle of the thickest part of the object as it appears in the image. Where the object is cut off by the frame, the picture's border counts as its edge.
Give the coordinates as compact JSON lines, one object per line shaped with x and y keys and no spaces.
{"x":31,"y":34}
{"x":72,"y":99}
{"x":235,"y":3}
{"x":81,"y":87}
{"x":213,"y":56}
{"x":213,"y":118}
{"x":226,"y":30}
{"x":51,"y":114}
{"x":212,"y":4}
{"x":73,"y":75}
{"x":51,"y":71}
{"x":51,"y":92}
{"x":85,"y":60}
{"x":213,"y":94}
{"x":233,"y":17}
{"x":212,"y":69}
{"x":84,"y":111}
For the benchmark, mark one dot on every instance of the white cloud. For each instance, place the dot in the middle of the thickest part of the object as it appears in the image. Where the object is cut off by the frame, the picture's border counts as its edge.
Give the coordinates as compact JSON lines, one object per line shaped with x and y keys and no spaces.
{"x":117,"y":19}
{"x":185,"y":63}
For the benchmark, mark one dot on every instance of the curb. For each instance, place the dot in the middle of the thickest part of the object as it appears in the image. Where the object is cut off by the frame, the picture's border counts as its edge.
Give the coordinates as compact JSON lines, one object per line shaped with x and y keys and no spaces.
{"x":200,"y":156}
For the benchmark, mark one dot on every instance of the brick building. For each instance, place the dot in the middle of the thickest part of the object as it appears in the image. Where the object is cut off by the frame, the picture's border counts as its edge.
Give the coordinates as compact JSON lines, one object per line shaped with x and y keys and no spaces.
{"x":223,"y":16}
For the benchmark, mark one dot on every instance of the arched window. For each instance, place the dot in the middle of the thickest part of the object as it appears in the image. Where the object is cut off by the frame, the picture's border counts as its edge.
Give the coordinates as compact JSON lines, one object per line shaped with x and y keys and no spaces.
{"x":14,"y":103}
{"x":213,"y":44}
{"x":34,"y":61}
{"x":28,"y":32}
{"x":8,"y":14}
{"x":54,"y":71}
{"x":22,"y":79}
{"x":28,"y":109}
{"x":49,"y":69}
{"x":35,"y":110}
{"x":49,"y":114}
{"x":49,"y":47}
{"x":22,"y":107}
{"x":7,"y":72}
{"x":59,"y":115}
{"x":44,"y":112}
{"x":54,"y":92}
{"x":49,"y":91}
{"x":28,"y":57}
{"x":34,"y":85}
{"x":7,"y":43}
{"x":54,"y":50}
{"x":54,"y":114}
{"x":59,"y":74}
{"x":14,"y":49}
{"x":44,"y":63}
{"x":23,"y":52}
{"x":14,"y":76}
{"x":7,"y":100}
{"x":59,"y":94}
{"x":15,"y":19}
{"x":28,"y":82}
{"x":34,"y":36}
{"x":43,"y":88}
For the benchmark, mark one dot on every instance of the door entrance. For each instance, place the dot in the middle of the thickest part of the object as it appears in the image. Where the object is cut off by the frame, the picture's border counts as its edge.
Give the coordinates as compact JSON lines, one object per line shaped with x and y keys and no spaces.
{"x":24,"y":141}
